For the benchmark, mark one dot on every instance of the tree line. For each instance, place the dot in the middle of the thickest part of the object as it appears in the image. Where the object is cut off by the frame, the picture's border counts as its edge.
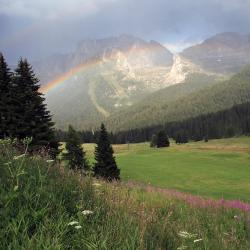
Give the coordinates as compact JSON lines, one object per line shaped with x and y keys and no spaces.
{"x":227,"y":123}
{"x":223,"y":124}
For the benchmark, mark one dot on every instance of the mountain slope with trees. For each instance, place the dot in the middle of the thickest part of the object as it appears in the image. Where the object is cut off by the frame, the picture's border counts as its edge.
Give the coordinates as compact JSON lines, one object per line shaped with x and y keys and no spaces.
{"x":160,"y":110}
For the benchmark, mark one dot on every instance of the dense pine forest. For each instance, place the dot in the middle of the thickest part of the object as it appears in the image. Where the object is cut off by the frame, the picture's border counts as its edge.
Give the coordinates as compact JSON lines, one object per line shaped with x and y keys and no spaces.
{"x":227,"y":123}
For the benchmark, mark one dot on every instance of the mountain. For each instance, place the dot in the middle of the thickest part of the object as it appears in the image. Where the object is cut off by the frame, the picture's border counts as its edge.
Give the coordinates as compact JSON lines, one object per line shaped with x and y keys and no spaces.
{"x":224,"y":53}
{"x":129,"y":54}
{"x":105,"y":75}
{"x":175,"y":104}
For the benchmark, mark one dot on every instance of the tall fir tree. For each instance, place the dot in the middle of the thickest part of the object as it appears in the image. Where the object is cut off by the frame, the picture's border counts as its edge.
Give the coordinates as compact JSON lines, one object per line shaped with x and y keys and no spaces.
{"x":105,"y":166}
{"x":75,"y":154}
{"x":162,"y":139}
{"x":5,"y":98}
{"x":31,"y":117}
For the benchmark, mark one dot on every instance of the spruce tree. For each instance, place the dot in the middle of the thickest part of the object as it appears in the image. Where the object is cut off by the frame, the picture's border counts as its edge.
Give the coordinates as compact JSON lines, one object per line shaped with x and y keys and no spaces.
{"x":75,"y":154}
{"x":105,"y":166}
{"x":5,"y":98}
{"x":31,"y":117}
{"x":162,"y":139}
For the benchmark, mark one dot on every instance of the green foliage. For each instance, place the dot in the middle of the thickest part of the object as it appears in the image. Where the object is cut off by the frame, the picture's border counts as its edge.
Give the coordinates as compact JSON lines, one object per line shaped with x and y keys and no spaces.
{"x":6,"y":96}
{"x":75,"y":154}
{"x":51,"y":209}
{"x":23,"y":110}
{"x":105,"y":166}
{"x":181,"y":137}
{"x":162,"y":139}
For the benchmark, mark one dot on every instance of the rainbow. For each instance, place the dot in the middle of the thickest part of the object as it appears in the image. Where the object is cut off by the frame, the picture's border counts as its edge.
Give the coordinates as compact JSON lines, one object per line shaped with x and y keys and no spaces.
{"x":64,"y":77}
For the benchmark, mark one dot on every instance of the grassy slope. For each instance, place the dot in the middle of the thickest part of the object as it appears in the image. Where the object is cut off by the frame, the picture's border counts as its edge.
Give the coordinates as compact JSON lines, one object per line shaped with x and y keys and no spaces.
{"x":219,"y":168}
{"x":39,"y":199}
{"x":161,"y":108}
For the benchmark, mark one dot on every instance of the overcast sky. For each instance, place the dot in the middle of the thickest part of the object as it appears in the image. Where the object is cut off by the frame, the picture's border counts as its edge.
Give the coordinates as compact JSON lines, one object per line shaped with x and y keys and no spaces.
{"x":37,"y":28}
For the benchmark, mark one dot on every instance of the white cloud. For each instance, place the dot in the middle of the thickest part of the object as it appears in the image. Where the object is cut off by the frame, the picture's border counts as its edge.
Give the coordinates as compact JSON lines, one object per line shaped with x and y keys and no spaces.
{"x":179,"y":46}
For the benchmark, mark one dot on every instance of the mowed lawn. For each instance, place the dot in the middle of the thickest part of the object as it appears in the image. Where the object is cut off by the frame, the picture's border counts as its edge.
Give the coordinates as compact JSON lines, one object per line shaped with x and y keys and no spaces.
{"x":218,"y":169}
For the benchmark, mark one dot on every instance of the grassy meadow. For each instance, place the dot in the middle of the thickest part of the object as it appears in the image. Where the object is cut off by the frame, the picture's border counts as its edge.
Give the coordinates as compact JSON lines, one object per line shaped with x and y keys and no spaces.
{"x":44,"y":205}
{"x":217,"y":169}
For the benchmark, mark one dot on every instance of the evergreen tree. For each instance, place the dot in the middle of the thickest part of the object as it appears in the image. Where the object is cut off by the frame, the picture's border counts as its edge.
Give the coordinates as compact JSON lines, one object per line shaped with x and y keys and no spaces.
{"x":105,"y":166}
{"x":162,"y":139}
{"x":75,"y":154}
{"x":5,"y":98}
{"x":31,"y":118}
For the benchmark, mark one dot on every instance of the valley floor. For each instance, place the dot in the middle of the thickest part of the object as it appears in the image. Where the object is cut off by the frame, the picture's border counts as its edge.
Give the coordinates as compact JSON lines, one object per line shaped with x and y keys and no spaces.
{"x":217,"y":169}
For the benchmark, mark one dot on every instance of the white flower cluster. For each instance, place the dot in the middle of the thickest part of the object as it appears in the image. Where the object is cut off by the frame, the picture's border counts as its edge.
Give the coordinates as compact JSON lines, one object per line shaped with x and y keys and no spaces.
{"x":75,"y":224}
{"x":186,"y":235}
{"x":87,"y":212}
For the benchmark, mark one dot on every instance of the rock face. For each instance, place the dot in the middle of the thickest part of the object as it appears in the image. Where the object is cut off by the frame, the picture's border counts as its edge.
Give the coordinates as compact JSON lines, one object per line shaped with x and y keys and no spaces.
{"x":181,"y":69}
{"x":224,"y":53}
{"x":111,"y":73}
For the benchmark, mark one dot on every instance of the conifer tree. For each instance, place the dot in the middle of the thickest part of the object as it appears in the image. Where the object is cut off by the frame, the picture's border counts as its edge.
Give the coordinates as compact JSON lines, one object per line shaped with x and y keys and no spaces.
{"x":5,"y":98}
{"x":31,"y":117}
{"x":75,"y":154}
{"x":105,"y":166}
{"x":162,"y":139}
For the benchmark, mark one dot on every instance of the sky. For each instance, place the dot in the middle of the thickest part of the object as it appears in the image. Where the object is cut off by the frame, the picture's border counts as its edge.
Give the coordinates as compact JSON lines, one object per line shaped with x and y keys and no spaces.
{"x":37,"y":28}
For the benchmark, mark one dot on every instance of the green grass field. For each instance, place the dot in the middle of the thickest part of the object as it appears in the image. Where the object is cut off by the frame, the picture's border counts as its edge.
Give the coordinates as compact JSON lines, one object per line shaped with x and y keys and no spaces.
{"x":44,"y":205}
{"x":218,"y":169}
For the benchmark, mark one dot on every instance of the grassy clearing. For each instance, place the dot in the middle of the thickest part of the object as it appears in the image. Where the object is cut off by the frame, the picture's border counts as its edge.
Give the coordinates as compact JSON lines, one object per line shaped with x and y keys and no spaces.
{"x":218,"y":169}
{"x":39,"y":199}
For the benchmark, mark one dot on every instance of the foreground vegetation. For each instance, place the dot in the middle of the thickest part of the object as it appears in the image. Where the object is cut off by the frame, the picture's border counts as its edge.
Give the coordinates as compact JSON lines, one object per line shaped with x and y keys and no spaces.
{"x":218,"y":168}
{"x":46,"y":206}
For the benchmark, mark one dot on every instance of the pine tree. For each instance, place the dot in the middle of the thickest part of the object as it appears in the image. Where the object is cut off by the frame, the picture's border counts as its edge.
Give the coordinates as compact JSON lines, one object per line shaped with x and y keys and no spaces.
{"x":105,"y":166}
{"x":162,"y":139}
{"x":31,"y":118}
{"x":5,"y":98}
{"x":75,"y":154}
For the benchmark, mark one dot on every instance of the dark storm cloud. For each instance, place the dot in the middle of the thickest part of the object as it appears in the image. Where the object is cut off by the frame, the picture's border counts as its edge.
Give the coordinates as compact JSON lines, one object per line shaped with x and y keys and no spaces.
{"x":37,"y":28}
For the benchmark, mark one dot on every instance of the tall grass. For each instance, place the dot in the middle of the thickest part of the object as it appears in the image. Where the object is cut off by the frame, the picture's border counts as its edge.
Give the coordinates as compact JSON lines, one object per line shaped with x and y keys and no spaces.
{"x":45,"y":206}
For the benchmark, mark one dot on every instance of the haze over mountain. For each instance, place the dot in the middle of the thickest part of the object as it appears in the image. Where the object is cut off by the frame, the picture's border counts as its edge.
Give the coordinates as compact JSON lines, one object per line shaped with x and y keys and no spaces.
{"x":223,"y":53}
{"x":103,"y":76}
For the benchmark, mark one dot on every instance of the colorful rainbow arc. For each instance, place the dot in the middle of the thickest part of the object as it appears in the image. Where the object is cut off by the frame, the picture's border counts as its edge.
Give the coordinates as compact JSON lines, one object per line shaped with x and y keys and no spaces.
{"x":62,"y":78}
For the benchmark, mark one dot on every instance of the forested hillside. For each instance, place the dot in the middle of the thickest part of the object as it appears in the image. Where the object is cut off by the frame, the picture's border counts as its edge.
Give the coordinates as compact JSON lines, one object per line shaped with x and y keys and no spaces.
{"x":223,"y":124}
{"x":163,"y":107}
